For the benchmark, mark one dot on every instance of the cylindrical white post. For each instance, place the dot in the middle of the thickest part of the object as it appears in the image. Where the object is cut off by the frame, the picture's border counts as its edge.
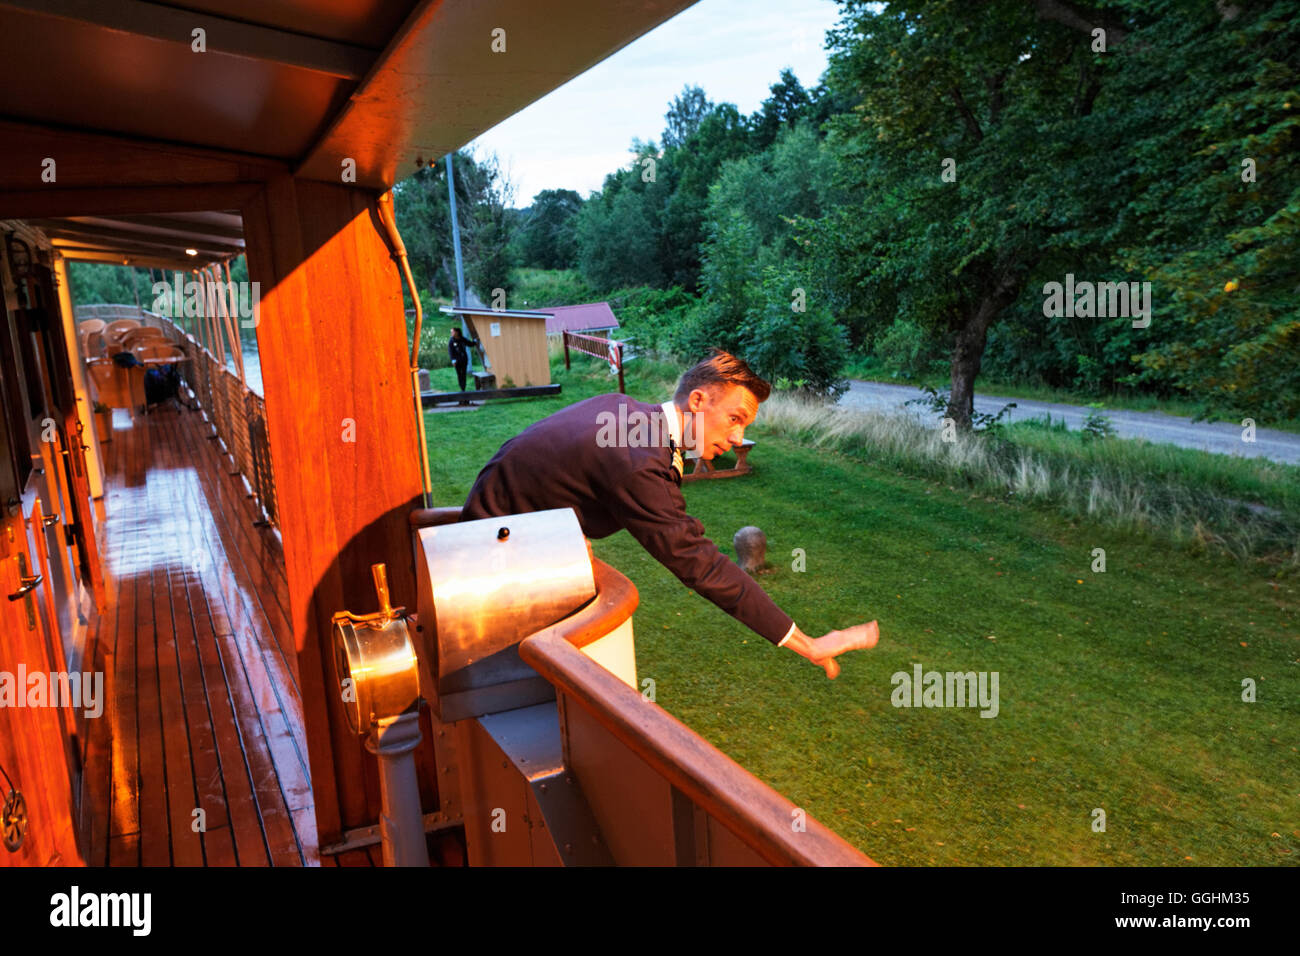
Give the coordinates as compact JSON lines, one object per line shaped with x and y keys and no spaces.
{"x":230,"y":312}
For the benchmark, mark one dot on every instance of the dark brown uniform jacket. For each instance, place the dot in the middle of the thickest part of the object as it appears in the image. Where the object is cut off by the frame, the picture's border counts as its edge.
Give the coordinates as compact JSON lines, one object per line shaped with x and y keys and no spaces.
{"x":558,"y":463}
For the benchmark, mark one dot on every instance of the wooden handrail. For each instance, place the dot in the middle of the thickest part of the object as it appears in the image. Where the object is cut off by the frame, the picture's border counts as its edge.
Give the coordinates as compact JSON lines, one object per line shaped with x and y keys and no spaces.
{"x":429,"y":517}
{"x":616,"y":598}
{"x":758,"y":815}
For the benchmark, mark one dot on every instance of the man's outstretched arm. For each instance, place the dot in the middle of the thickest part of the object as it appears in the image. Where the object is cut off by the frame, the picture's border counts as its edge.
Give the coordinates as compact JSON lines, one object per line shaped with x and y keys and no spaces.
{"x":655,"y":513}
{"x":823,"y":650}
{"x":650,"y":505}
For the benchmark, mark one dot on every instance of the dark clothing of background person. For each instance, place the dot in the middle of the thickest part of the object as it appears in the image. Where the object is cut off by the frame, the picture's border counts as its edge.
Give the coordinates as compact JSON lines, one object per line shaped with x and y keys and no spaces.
{"x":458,"y":350}
{"x":557,"y":463}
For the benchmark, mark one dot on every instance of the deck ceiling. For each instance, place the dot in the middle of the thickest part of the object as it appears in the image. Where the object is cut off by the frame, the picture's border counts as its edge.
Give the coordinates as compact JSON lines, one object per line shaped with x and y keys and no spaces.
{"x":116,"y":93}
{"x":162,"y":241}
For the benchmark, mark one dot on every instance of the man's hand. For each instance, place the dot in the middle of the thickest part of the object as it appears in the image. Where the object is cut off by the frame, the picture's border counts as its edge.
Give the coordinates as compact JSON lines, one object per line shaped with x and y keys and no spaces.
{"x":825,"y":649}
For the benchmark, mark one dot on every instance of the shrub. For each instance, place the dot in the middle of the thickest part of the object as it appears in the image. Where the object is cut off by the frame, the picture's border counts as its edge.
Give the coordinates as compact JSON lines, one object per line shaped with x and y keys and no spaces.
{"x":805,"y":347}
{"x":1097,"y":425}
{"x":655,"y":317}
{"x":938,"y":402}
{"x":904,"y":349}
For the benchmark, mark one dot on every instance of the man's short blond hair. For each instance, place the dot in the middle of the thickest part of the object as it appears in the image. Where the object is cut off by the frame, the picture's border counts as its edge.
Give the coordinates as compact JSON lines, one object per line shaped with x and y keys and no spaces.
{"x":720,"y":369}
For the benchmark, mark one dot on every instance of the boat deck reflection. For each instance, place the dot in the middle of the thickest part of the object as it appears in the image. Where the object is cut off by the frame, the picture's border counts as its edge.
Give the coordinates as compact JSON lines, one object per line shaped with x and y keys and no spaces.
{"x":200,"y":756}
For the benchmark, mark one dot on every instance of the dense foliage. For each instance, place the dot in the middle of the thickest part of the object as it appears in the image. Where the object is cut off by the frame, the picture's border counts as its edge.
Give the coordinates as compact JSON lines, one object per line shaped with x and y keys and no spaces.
{"x":545,"y":238}
{"x":1115,"y":156}
{"x":955,"y":160}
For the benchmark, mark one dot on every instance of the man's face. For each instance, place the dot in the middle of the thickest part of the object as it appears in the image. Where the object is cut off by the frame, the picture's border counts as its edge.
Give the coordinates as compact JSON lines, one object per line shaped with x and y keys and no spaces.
{"x":717,"y":418}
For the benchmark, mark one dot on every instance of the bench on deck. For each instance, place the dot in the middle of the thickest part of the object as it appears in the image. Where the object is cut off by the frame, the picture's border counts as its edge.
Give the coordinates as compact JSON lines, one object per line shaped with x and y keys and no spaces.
{"x":707,"y":469}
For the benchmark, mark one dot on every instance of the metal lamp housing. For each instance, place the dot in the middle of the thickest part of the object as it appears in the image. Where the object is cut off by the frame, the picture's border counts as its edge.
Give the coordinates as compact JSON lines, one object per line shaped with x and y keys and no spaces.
{"x":378,"y":670}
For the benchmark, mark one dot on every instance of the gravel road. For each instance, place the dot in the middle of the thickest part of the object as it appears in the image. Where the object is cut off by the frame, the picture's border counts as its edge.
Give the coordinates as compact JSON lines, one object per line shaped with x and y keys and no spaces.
{"x":1224,"y":438}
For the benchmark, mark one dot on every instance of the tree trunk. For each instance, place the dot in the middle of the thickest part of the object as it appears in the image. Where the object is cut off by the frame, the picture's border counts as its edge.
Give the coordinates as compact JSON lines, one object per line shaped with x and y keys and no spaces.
{"x":968,"y":350}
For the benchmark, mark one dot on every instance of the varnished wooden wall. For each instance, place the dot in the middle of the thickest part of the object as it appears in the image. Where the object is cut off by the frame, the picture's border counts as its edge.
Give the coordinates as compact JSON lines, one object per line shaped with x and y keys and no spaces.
{"x":34,"y":741}
{"x":335,"y":360}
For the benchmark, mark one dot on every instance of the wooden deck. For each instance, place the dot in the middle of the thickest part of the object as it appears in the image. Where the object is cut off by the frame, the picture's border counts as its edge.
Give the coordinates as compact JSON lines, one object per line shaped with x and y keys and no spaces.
{"x":204,"y":711}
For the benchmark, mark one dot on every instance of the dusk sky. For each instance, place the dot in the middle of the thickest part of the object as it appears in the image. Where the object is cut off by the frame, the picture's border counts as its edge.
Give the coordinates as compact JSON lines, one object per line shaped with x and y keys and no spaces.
{"x":734,"y":49}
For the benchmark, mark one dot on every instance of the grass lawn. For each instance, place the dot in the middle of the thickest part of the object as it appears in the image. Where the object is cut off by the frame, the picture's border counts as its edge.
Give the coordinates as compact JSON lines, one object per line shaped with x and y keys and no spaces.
{"x":1119,"y":691}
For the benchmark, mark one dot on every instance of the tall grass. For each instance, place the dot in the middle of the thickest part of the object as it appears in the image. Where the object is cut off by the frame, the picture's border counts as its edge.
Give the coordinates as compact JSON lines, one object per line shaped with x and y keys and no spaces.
{"x":870,"y":368}
{"x":1249,"y":509}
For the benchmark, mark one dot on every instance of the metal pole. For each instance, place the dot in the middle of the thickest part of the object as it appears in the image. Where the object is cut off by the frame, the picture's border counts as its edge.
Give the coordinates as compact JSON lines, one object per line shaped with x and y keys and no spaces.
{"x":218,"y":339}
{"x":455,"y":235}
{"x":401,"y":824}
{"x":178,"y":295}
{"x":199,"y":333}
{"x":200,"y":317}
{"x":233,"y":311}
{"x":176,"y":303}
{"x":460,"y":266}
{"x":201,"y":276}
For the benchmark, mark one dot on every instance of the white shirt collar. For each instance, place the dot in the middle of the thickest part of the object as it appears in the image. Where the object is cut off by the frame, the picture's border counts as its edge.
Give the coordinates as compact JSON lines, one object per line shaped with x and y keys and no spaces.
{"x":674,"y":423}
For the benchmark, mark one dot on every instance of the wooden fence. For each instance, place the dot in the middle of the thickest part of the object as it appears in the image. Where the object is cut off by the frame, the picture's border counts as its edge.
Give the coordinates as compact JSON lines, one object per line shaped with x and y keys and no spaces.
{"x":610,"y":350}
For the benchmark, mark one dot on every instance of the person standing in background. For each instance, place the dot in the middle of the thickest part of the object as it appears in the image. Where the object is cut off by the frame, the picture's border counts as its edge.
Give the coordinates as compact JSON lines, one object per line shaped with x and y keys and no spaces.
{"x":458,"y":350}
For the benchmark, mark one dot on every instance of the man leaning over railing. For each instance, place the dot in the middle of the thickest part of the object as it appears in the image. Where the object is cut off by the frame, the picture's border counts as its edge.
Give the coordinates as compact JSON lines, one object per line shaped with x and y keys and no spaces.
{"x":574,"y":459}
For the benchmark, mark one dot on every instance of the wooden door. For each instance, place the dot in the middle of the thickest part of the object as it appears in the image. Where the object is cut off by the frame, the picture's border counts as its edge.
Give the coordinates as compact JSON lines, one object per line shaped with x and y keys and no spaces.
{"x":34,"y":746}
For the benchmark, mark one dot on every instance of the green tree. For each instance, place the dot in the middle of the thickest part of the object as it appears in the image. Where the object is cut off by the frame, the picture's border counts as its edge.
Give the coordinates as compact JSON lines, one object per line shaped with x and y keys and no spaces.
{"x":999,"y":147}
{"x":721,"y":135}
{"x":1217,"y":203}
{"x":486,"y":238}
{"x":617,"y":239}
{"x":96,"y":283}
{"x":546,"y":237}
{"x":781,"y":110}
{"x":961,"y":164}
{"x":687,"y":110}
{"x":731,"y":272}
{"x":753,"y":213}
{"x":773,"y":189}
{"x":483,"y":199}
{"x":424,"y":219}
{"x":792,"y":339}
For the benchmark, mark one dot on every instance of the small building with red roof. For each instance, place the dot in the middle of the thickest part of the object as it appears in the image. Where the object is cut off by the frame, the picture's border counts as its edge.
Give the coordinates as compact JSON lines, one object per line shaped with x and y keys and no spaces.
{"x":596,"y":318}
